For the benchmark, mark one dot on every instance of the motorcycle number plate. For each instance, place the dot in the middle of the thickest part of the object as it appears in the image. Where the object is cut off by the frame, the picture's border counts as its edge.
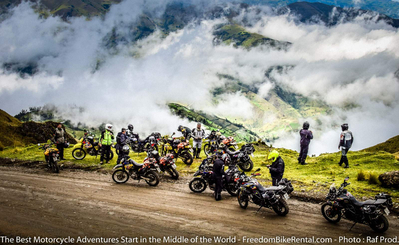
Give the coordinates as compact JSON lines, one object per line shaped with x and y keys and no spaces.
{"x":286,"y":197}
{"x":386,"y":211}
{"x":173,"y":166}
{"x":252,"y":154}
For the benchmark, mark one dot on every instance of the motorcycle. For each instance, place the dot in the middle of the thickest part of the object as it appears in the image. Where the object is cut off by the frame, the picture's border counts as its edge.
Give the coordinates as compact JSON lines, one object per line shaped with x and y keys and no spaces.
{"x":179,"y":149}
{"x":130,"y":169}
{"x":272,"y":197}
{"x":166,"y":163}
{"x":230,"y":143}
{"x":204,"y":177}
{"x":210,"y":147}
{"x":241,"y":157}
{"x":88,"y":145}
{"x":340,"y":203}
{"x":149,"y":143}
{"x":51,"y":154}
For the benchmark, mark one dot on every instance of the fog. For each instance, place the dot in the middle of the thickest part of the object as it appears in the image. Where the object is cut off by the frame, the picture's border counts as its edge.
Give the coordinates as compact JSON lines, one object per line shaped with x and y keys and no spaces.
{"x":351,"y":67}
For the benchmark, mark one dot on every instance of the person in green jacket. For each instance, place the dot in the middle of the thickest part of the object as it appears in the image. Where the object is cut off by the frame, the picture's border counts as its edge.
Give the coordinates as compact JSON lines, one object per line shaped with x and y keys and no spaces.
{"x":107,"y":136}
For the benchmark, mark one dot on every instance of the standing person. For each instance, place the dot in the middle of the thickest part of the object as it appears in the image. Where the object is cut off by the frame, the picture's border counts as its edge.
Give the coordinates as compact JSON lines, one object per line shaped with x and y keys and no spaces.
{"x":345,"y":143}
{"x":277,"y":167}
{"x":198,"y":135}
{"x":59,"y":139}
{"x":105,"y":143}
{"x":185,"y":131}
{"x":218,"y":173}
{"x":306,"y":137}
{"x":121,"y":139}
{"x":129,"y":131}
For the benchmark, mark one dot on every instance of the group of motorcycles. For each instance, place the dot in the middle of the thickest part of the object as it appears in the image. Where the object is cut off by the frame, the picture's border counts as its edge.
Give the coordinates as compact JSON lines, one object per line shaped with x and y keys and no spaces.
{"x":339,"y":202}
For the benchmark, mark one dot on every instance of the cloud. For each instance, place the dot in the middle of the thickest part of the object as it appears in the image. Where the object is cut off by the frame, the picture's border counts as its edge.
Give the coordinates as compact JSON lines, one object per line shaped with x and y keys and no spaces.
{"x":350,"y":66}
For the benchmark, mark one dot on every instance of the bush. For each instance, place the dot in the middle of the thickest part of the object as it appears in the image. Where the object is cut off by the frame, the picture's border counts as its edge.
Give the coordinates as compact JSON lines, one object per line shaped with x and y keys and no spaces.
{"x":361,"y":176}
{"x":373,"y":179}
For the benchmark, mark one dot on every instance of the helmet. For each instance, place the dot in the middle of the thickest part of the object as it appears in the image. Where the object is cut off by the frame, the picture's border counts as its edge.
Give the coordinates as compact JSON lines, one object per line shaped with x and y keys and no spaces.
{"x":125,"y":149}
{"x":305,"y":125}
{"x":108,"y":126}
{"x":130,"y":127}
{"x":345,"y":126}
{"x":273,"y":155}
{"x":219,"y":133}
{"x":219,"y":153}
{"x":180,"y":128}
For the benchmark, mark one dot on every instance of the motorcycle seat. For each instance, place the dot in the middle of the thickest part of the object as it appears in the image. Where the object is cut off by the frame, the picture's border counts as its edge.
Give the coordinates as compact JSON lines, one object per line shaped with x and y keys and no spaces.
{"x":137,"y":164}
{"x":369,"y":202}
{"x":274,"y":188}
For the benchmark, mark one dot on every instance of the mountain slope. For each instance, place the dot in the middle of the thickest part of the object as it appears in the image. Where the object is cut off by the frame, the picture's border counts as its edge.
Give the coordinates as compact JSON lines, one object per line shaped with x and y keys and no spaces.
{"x":391,"y":146}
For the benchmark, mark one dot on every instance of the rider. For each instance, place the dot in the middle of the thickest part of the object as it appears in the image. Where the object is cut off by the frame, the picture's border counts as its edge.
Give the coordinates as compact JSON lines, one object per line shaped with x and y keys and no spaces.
{"x":198,"y":135}
{"x":105,"y":143}
{"x":218,"y":172}
{"x":345,"y":143}
{"x":129,"y":132}
{"x":59,"y":139}
{"x":185,"y":131}
{"x":277,"y":167}
{"x":120,"y":142}
{"x":306,"y":136}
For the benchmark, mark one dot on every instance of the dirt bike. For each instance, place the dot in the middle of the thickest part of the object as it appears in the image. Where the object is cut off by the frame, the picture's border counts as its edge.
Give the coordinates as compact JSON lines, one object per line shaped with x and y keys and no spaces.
{"x":149,"y":143}
{"x":241,"y":157}
{"x":340,"y":203}
{"x":210,"y":147}
{"x":88,"y":145}
{"x":204,"y":177}
{"x":179,"y":149}
{"x":166,"y":163}
{"x":51,"y":154}
{"x":130,"y":169}
{"x":273,"y":197}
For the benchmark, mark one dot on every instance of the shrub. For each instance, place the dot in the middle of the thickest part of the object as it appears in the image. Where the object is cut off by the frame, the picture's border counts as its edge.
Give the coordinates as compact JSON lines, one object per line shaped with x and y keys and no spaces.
{"x":361,"y":176}
{"x":373,"y":179}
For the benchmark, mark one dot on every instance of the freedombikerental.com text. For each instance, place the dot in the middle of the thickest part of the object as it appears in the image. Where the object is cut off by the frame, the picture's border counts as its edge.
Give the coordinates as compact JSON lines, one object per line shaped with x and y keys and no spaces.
{"x":198,"y":239}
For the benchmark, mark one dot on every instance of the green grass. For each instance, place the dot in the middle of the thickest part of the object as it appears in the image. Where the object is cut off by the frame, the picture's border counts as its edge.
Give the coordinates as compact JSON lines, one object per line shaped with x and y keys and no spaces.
{"x":316,"y":177}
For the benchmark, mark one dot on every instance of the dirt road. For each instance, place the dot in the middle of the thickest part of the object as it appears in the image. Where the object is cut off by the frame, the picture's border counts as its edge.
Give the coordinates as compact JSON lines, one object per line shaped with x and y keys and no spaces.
{"x":35,"y":202}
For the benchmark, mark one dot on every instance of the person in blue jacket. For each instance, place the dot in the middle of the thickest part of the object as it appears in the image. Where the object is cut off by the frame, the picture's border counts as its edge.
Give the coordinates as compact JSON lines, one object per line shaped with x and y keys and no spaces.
{"x":306,"y":137}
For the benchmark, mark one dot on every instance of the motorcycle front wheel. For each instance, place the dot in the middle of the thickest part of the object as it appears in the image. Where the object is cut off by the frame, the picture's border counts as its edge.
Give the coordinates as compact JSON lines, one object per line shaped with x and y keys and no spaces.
{"x":231,"y":189}
{"x":380,"y":224}
{"x":120,"y":176}
{"x":197,"y":185}
{"x":330,"y":214}
{"x":173,"y":173}
{"x":79,"y":154}
{"x":152,"y":178}
{"x":207,"y":149}
{"x":242,"y":199}
{"x":247,"y":166}
{"x":281,"y":208}
{"x":186,"y":157}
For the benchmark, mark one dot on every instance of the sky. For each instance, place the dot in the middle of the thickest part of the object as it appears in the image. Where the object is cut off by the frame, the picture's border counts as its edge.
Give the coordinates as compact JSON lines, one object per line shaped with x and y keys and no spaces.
{"x":350,"y":66}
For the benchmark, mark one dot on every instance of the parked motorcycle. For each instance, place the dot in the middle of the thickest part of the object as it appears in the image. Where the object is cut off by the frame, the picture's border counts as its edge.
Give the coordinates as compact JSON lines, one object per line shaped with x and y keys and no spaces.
{"x":130,"y":169}
{"x":210,"y":147}
{"x":149,"y":143}
{"x":51,"y":155}
{"x":88,"y":145}
{"x":272,"y":197}
{"x":204,"y":177}
{"x":179,"y":149}
{"x":241,"y":157}
{"x":166,"y":163}
{"x":340,"y":203}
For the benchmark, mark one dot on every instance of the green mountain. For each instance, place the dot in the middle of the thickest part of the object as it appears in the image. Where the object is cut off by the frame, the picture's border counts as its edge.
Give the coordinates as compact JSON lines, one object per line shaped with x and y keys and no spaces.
{"x":391,"y":146}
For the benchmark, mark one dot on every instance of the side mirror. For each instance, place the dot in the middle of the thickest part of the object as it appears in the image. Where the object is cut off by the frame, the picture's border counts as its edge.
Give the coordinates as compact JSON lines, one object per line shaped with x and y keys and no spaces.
{"x":173,"y":133}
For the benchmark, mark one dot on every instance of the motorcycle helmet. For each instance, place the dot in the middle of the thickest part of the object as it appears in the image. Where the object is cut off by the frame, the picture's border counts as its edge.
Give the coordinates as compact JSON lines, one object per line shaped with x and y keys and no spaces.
{"x":305,"y":125}
{"x":273,"y":155}
{"x":344,"y":126}
{"x":108,"y":127}
{"x":219,"y":154}
{"x":180,"y":128}
{"x":130,"y":127}
{"x":125,"y":149}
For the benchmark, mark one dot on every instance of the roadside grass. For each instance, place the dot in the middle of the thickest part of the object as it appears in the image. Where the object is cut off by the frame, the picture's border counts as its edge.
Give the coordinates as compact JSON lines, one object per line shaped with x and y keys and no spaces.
{"x":315,"y":178}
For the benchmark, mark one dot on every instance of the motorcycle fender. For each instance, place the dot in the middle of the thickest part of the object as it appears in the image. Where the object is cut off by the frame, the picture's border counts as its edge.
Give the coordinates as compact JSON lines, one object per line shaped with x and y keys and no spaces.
{"x":78,"y":145}
{"x":118,"y":166}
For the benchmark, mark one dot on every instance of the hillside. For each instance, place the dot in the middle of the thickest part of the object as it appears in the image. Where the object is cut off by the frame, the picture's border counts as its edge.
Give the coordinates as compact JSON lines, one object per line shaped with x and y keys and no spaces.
{"x":15,"y":133}
{"x":391,"y":146}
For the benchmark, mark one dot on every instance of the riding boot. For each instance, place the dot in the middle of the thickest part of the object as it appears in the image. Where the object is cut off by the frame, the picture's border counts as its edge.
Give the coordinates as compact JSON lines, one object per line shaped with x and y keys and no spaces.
{"x":194,"y":152}
{"x":198,"y":153}
{"x":341,"y":161}
{"x":346,"y":162}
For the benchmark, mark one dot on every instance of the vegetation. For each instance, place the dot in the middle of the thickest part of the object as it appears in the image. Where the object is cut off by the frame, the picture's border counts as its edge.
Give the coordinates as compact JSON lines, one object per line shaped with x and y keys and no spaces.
{"x":391,"y":146}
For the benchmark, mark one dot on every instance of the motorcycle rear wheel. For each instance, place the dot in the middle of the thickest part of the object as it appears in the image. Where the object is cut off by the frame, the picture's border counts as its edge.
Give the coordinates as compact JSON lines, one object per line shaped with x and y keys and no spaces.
{"x":153,"y":176}
{"x":247,"y":166}
{"x":197,"y":185}
{"x":120,"y":176}
{"x":186,"y":157}
{"x":242,"y":199}
{"x":329,"y":214}
{"x":207,"y":149}
{"x":173,"y":173}
{"x":281,"y":208}
{"x":79,"y":154}
{"x":381,"y":224}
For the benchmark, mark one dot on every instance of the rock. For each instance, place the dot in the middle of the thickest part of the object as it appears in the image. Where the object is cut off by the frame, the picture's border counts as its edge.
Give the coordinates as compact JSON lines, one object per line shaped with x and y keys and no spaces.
{"x":390,"y":179}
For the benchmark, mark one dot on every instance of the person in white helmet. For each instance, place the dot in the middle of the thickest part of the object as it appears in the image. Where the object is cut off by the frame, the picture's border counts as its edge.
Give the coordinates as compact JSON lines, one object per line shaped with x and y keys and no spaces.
{"x":107,"y":136}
